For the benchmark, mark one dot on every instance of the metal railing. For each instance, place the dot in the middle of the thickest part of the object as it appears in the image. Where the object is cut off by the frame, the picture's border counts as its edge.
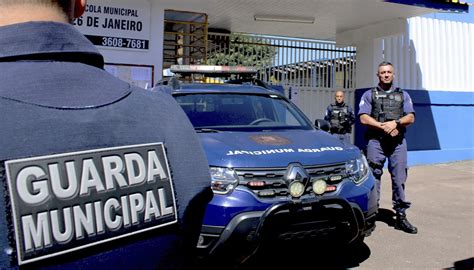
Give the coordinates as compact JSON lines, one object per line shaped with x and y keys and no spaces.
{"x":286,"y":61}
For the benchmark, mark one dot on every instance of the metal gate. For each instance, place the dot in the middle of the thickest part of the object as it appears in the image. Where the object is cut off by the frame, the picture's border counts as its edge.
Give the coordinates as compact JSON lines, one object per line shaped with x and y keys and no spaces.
{"x":286,"y":61}
{"x":309,"y":70}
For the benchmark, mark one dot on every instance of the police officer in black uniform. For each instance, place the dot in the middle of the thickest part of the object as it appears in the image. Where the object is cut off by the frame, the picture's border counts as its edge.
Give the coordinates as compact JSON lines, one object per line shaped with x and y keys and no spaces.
{"x":340,"y":117}
{"x":95,"y":173}
{"x":387,"y":110}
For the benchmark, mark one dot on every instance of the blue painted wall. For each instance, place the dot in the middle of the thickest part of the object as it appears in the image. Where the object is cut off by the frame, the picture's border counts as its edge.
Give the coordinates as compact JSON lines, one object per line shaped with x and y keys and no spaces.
{"x":443,"y":130}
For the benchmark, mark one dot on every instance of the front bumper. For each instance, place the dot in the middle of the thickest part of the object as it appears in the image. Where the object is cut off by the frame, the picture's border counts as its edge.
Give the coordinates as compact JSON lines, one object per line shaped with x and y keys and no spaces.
{"x":325,"y":219}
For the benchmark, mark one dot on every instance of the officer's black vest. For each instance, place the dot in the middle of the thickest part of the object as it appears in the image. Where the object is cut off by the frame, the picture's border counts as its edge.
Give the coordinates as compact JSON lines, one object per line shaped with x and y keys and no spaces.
{"x":338,"y":120}
{"x":387,"y":106}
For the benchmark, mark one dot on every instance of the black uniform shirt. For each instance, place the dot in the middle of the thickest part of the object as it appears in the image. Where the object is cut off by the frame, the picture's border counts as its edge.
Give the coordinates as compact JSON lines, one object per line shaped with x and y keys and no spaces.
{"x":63,"y":116}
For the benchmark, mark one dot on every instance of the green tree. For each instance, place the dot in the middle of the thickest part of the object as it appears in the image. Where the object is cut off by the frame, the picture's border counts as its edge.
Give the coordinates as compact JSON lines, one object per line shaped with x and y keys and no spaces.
{"x":246,"y":50}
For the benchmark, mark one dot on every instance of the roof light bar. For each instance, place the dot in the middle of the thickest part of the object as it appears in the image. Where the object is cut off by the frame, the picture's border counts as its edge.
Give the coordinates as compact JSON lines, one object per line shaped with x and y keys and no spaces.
{"x":207,"y":69}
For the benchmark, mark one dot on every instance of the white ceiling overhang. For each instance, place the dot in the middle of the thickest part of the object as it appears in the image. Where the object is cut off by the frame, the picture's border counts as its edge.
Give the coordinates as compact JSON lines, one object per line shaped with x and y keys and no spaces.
{"x":331,"y":17}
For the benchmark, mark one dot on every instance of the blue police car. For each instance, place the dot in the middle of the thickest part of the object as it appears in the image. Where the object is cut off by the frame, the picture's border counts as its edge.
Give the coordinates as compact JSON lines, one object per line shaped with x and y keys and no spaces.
{"x":274,"y":174}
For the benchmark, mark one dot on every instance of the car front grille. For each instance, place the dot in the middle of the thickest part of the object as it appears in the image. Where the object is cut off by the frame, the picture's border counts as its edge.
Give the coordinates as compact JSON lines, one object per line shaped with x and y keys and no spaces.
{"x":270,"y":182}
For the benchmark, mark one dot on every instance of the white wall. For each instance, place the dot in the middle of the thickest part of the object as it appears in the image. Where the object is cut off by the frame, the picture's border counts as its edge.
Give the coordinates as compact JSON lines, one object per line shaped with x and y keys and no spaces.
{"x":429,"y":54}
{"x":369,"y":43}
{"x":444,"y":53}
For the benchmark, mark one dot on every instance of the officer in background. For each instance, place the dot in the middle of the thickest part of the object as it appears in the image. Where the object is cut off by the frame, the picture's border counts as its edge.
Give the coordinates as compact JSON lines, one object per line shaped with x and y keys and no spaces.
{"x":340,"y":117}
{"x":64,"y":117}
{"x":387,"y":110}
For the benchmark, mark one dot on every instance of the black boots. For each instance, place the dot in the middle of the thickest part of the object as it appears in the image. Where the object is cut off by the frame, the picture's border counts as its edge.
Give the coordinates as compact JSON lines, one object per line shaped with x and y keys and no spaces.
{"x":401,"y":223}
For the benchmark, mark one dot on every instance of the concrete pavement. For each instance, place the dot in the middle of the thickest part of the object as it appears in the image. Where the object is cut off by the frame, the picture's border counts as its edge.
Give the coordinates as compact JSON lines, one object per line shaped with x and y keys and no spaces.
{"x":442,"y":199}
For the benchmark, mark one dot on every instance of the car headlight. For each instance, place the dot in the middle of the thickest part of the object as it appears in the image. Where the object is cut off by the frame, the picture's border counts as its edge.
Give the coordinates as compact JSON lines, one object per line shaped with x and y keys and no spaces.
{"x":223,"y":180}
{"x":358,"y":169}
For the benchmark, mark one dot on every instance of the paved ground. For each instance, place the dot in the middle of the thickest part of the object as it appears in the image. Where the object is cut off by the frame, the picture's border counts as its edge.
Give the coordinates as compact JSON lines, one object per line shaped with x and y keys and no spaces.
{"x":442,"y":199}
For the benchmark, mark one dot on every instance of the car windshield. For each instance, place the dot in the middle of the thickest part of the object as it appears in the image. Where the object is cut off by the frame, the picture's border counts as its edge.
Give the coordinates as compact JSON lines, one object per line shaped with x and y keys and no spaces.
{"x":214,"y":112}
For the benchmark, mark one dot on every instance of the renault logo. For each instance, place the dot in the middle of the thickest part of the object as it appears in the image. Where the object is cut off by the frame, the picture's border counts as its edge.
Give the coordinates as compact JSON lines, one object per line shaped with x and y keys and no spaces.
{"x":296,"y":172}
{"x":296,"y":177}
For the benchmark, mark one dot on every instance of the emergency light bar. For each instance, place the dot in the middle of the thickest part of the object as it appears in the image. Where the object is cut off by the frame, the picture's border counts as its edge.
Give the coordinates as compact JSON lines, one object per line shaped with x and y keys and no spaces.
{"x":215,"y":70}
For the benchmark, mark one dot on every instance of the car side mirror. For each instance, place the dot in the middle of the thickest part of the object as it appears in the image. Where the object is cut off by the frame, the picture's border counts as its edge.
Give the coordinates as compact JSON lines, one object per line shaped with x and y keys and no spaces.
{"x":322,"y":124}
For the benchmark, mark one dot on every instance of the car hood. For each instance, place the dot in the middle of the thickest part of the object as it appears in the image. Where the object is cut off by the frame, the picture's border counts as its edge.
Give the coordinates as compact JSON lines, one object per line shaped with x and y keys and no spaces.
{"x":275,"y":149}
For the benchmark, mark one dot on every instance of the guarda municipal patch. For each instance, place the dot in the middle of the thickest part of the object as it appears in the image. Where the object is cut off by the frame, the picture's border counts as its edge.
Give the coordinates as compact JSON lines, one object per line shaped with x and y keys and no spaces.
{"x":66,"y":202}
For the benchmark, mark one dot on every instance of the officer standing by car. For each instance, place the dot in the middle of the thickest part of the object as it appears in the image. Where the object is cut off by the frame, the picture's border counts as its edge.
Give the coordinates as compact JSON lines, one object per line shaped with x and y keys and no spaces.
{"x":340,"y":117}
{"x":387,"y":110}
{"x":76,"y":141}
